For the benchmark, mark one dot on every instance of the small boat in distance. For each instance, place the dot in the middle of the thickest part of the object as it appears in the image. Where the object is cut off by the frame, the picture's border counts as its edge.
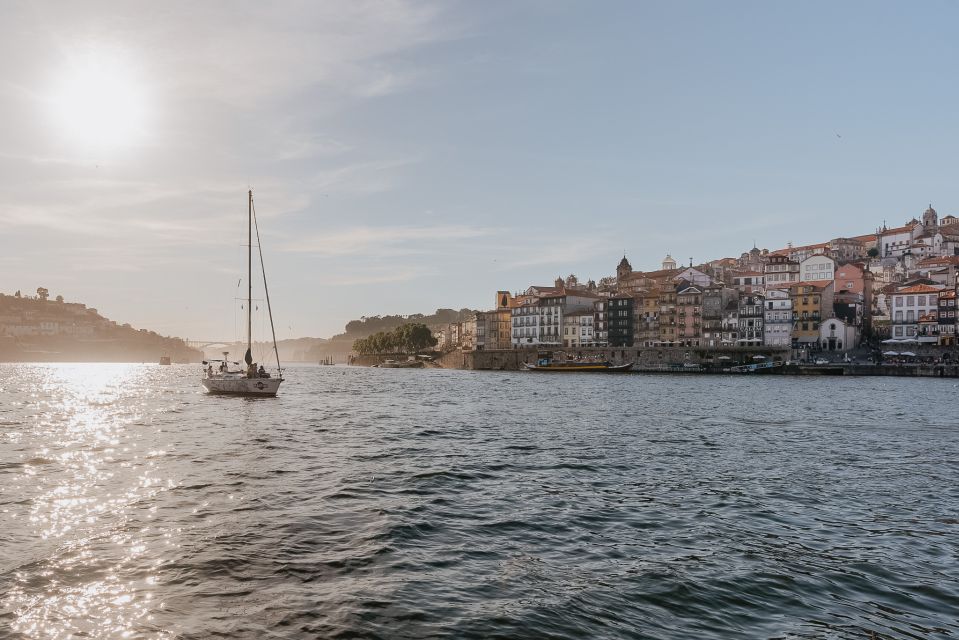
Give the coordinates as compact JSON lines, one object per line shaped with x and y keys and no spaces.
{"x":251,"y":381}
{"x":548,"y":364}
{"x":164,"y":359}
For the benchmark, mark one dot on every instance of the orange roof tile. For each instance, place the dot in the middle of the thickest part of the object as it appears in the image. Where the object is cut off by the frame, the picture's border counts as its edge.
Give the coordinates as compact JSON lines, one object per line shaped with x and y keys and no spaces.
{"x":920,"y":288}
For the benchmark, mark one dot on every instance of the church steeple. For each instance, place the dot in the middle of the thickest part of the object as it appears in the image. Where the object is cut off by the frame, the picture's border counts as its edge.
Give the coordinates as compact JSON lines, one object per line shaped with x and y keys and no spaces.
{"x":930,"y":219}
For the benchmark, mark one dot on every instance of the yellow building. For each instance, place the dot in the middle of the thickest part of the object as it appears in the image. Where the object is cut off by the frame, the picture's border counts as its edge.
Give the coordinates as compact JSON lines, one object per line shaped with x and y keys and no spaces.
{"x":812,"y":303}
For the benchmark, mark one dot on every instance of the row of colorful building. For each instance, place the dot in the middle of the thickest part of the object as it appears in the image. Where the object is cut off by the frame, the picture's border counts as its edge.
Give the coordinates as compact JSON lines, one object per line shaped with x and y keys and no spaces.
{"x":897,"y":285}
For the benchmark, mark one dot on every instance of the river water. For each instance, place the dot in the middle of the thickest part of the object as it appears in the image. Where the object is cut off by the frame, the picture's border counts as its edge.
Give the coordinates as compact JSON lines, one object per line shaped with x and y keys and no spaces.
{"x":368,"y":503}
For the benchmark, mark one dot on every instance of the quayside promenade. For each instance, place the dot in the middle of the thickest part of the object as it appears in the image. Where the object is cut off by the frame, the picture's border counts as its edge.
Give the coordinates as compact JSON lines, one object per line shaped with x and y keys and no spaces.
{"x":693,"y":360}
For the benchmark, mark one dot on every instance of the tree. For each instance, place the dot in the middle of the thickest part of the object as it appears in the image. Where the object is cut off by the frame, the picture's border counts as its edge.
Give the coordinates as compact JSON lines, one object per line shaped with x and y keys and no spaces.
{"x":42,"y":293}
{"x":873,"y":252}
{"x":17,"y":294}
{"x":60,"y":299}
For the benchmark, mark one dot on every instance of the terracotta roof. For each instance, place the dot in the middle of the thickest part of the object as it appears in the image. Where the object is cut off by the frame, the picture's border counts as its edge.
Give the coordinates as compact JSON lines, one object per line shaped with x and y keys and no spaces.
{"x":819,"y":284}
{"x":938,"y":261}
{"x":895,"y":230}
{"x":869,"y":237}
{"x":920,"y":288}
{"x":948,"y":293}
{"x":929,"y":317}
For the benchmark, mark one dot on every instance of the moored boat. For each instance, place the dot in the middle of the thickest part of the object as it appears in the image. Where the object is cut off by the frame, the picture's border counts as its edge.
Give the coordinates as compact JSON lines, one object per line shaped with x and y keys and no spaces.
{"x":575,"y":366}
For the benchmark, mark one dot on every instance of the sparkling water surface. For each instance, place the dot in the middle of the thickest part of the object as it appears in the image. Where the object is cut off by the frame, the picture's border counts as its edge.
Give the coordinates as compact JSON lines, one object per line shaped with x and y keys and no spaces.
{"x":396,"y":503}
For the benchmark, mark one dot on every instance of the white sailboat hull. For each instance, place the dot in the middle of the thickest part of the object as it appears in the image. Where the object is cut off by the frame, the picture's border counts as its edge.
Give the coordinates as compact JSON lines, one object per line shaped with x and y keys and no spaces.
{"x":263,"y":387}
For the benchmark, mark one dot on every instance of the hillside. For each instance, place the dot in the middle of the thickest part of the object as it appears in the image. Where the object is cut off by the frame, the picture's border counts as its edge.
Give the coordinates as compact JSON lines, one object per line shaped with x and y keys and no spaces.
{"x":38,"y":329}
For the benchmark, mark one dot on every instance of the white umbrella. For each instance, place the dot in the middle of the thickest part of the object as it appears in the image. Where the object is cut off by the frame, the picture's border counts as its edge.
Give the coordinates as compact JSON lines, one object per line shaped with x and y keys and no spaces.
{"x":908,"y":353}
{"x":759,"y":357}
{"x":890,"y":341}
{"x":890,"y":353}
{"x":724,"y":358}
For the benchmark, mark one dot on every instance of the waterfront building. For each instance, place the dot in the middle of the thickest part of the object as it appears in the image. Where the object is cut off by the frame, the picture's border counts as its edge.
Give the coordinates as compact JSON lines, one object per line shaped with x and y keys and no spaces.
{"x":621,"y":329}
{"x":751,"y":314}
{"x":601,"y":322}
{"x":928,"y":331}
{"x":689,"y":312}
{"x":817,"y":267}
{"x":578,"y":329}
{"x":667,"y":316}
{"x":853,"y":278}
{"x":947,"y":317}
{"x":777,"y":319}
{"x":836,"y":335}
{"x":812,"y":302}
{"x":715,"y":299}
{"x":492,"y":329}
{"x":850,"y":308}
{"x":538,"y":318}
{"x":908,"y":304}
{"x":731,"y":323}
{"x":646,"y":317}
{"x":780,"y":271}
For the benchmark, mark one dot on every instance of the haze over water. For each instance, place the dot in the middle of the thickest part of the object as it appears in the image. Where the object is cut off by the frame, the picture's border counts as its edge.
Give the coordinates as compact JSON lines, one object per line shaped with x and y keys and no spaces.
{"x":428,"y":503}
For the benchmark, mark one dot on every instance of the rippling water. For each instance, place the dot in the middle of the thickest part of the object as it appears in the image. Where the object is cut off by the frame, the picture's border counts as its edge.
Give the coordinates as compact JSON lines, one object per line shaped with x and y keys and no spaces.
{"x":422,"y":503}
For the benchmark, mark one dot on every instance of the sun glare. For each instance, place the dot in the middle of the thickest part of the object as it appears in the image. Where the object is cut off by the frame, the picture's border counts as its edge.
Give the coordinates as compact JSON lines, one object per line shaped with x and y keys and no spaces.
{"x":98,"y":101}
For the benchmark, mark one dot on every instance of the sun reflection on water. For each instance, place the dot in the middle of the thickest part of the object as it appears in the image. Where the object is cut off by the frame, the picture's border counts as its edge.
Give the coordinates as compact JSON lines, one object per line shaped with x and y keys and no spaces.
{"x":85,"y":488}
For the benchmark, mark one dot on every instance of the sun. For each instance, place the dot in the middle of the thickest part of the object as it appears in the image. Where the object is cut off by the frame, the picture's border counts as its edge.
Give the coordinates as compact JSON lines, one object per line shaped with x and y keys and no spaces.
{"x":98,"y":100}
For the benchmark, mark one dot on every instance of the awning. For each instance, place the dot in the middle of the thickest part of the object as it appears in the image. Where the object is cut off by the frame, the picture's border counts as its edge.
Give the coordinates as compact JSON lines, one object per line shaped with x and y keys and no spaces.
{"x":908,"y":353}
{"x":807,"y":339}
{"x":890,"y":353}
{"x":929,"y":339}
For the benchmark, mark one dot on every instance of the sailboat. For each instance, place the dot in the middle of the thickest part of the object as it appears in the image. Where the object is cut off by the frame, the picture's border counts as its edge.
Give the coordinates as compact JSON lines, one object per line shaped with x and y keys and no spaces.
{"x":250,"y":381}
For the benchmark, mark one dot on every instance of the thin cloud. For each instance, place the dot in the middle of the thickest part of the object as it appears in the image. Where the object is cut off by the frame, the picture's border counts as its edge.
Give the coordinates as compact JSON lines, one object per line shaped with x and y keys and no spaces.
{"x":382,"y":240}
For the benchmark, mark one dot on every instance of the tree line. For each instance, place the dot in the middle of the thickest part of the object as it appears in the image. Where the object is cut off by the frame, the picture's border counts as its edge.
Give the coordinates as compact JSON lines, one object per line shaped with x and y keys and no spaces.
{"x":369,"y":325}
{"x":409,"y":338}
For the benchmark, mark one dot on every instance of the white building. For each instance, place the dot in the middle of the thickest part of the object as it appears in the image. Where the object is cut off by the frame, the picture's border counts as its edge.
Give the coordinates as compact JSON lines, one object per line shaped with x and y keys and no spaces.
{"x":777,"y":329}
{"x":908,"y":305}
{"x":817,"y":268}
{"x":836,"y":335}
{"x":578,"y":329}
{"x":895,"y":242}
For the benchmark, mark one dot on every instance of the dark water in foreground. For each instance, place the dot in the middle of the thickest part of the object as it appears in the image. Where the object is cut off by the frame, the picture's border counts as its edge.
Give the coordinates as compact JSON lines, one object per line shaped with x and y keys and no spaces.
{"x":412,"y":504}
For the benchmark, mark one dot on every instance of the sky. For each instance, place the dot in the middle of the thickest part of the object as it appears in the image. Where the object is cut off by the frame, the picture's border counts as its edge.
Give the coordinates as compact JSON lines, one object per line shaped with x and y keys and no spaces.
{"x":406,"y":156}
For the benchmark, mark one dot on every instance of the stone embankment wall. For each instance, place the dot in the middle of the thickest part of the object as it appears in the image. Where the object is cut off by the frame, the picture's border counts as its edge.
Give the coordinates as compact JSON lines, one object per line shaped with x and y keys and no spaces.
{"x":643,"y":358}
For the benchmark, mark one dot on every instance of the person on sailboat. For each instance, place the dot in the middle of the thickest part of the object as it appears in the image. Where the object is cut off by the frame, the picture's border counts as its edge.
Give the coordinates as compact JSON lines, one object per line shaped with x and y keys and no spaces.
{"x":261,"y":372}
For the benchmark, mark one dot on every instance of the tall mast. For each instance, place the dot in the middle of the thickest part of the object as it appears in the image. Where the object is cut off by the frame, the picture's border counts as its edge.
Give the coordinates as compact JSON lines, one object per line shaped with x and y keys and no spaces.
{"x":249,"y":280}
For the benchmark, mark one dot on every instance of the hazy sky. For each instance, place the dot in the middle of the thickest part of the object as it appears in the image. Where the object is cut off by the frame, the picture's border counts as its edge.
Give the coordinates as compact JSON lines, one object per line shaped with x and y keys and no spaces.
{"x":407,"y":156}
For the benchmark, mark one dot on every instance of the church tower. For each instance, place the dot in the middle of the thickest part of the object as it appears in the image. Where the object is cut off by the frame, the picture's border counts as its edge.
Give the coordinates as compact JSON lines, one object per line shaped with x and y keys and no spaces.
{"x":669,"y":262}
{"x":930,"y":220}
{"x":623,"y":269}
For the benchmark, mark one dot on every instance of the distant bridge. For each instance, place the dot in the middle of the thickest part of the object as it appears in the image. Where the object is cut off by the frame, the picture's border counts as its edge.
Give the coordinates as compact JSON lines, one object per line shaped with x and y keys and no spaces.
{"x":208,"y":344}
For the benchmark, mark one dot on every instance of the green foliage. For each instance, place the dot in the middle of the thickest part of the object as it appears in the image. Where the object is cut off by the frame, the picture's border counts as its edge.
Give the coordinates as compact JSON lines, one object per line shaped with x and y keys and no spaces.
{"x":369,"y":326}
{"x":408,"y":338}
{"x":873,"y":252}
